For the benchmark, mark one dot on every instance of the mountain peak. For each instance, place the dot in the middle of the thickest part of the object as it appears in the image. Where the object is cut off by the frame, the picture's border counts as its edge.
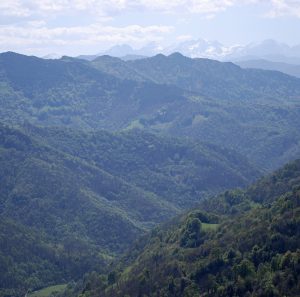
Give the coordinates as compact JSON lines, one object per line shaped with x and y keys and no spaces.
{"x":159,"y":56}
{"x":177,"y":55}
{"x":119,"y":50}
{"x":11,"y":54}
{"x":106,"y":58}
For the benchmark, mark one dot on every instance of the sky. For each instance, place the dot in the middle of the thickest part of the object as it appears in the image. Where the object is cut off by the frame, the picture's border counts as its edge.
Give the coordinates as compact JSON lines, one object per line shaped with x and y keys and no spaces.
{"x":73,"y":27}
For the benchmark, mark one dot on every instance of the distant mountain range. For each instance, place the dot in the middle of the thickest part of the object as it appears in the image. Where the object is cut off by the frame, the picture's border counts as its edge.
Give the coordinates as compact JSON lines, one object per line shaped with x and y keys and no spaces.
{"x":268,"y":50}
{"x":127,"y":52}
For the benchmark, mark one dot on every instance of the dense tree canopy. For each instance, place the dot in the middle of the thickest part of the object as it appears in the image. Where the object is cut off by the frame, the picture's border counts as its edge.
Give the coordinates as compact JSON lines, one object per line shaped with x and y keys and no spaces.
{"x":251,"y":252}
{"x":95,"y":154}
{"x":81,"y":198}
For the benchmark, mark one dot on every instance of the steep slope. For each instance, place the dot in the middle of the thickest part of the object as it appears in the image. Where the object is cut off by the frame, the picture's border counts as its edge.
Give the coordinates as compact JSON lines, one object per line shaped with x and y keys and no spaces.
{"x":30,"y":259}
{"x":218,"y":80}
{"x":268,"y":134}
{"x":59,"y":193}
{"x":181,"y":172}
{"x":209,"y":78}
{"x":253,"y":112}
{"x":83,"y":197}
{"x":252,"y":252}
{"x":69,"y":92}
{"x":118,"y":68}
{"x":61,"y":216}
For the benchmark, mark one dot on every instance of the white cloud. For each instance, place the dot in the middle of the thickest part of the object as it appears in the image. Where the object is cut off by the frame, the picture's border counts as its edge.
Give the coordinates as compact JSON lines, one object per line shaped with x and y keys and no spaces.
{"x":284,"y":8}
{"x":182,"y":38}
{"x":106,"y":7}
{"x":13,"y":8}
{"x":38,"y":35}
{"x":31,"y":23}
{"x":24,"y":8}
{"x":209,"y":7}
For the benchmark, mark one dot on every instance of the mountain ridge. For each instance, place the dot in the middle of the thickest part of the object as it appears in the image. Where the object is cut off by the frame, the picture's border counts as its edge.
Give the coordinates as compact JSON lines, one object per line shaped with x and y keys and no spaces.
{"x":248,"y":111}
{"x":268,"y":49}
{"x":96,"y":153}
{"x":289,"y":69}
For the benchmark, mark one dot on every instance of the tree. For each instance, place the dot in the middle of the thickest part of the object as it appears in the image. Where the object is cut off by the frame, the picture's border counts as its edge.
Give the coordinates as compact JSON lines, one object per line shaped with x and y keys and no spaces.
{"x":192,"y":233}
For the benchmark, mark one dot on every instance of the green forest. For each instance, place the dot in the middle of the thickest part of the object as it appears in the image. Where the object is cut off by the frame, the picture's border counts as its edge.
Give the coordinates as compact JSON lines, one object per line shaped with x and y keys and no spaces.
{"x":74,"y":200}
{"x":248,"y":246}
{"x":162,"y":176}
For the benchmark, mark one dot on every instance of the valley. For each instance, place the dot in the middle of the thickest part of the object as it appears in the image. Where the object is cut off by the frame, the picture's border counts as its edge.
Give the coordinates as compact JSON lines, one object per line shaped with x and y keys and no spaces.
{"x":116,"y":174}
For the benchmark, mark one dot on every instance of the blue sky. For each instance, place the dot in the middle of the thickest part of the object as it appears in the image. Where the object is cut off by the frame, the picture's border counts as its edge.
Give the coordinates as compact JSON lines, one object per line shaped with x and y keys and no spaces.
{"x":75,"y":27}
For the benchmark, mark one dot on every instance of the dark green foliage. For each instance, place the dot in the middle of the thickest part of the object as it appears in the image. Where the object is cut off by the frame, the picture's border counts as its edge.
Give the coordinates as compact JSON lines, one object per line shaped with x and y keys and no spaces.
{"x":191,"y":235}
{"x":179,"y":171}
{"x":214,"y":79}
{"x":254,"y":112}
{"x":89,"y":195}
{"x":117,"y":68}
{"x":252,"y":253}
{"x":29,"y":259}
{"x":68,"y":92}
{"x":73,"y":199}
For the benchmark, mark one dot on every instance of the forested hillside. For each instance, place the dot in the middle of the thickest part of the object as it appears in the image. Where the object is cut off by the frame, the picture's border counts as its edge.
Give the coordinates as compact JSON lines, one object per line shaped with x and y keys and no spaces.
{"x":68,"y":92}
{"x":83,"y":197}
{"x":95,"y":154}
{"x":254,"y":112}
{"x":213,"y":79}
{"x":247,"y":246}
{"x":180,"y":171}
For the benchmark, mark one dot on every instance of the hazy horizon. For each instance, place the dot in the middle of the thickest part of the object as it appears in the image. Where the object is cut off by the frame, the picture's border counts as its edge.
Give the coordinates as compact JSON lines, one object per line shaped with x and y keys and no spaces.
{"x":89,"y":27}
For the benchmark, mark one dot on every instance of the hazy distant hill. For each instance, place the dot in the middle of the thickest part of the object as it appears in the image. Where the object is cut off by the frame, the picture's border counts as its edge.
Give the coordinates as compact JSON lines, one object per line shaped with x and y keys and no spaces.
{"x":269,"y":49}
{"x":217,"y":80}
{"x":69,"y":92}
{"x":289,"y":69}
{"x":132,"y":57}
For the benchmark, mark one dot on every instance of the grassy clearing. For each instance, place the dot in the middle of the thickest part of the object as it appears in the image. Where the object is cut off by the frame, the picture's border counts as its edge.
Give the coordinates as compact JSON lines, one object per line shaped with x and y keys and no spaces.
{"x":209,"y":227}
{"x":47,"y":292}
